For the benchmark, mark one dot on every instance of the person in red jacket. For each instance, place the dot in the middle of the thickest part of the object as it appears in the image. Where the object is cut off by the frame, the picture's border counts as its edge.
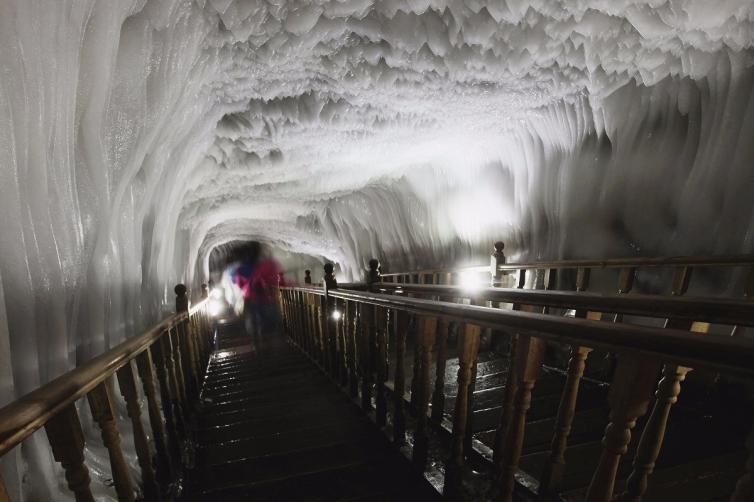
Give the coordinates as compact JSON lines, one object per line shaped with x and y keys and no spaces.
{"x":267,"y":277}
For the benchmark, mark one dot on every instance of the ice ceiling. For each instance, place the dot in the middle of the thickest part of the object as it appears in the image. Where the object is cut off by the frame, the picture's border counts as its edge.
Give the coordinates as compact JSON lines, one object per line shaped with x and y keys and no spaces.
{"x":137,"y":135}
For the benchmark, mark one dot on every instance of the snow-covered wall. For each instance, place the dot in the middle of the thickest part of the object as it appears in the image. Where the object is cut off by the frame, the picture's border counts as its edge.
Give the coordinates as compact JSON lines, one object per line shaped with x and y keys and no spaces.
{"x":136,"y":135}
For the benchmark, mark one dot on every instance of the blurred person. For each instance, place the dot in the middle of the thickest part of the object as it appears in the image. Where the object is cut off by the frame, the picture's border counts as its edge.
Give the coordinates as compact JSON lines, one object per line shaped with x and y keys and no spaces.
{"x":267,"y":277}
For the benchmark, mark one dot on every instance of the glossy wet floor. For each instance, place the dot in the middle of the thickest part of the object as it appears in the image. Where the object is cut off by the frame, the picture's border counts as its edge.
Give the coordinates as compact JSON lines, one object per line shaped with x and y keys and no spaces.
{"x":272,"y":427}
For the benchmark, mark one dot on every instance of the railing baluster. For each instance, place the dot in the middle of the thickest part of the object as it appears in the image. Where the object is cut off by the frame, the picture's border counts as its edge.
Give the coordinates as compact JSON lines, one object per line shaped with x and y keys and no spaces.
{"x":469,"y":348}
{"x":324,"y":343}
{"x":175,"y":350}
{"x":367,"y":358}
{"x":552,"y":474}
{"x":169,"y":397}
{"x":164,"y":462}
{"x":330,"y":333}
{"x":650,"y":442}
{"x":100,"y":402}
{"x":340,"y":333}
{"x":382,"y":318}
{"x":127,"y":385}
{"x":349,"y":324}
{"x":313,"y":316}
{"x":529,"y":354}
{"x":187,"y":378}
{"x":399,"y":421}
{"x":629,"y":397}
{"x":67,"y":441}
{"x":428,"y":329}
{"x":438,"y":397}
{"x":511,"y":384}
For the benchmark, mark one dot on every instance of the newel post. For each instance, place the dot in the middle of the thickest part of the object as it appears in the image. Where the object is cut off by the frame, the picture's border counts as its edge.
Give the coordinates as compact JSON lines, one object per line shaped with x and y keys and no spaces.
{"x":205,"y":291}
{"x":374,"y":273}
{"x":379,"y":348}
{"x":307,"y":276}
{"x":181,"y":298}
{"x":496,"y":260}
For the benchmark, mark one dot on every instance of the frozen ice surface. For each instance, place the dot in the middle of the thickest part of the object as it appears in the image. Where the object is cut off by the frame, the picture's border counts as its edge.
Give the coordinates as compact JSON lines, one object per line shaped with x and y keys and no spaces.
{"x":137,"y":135}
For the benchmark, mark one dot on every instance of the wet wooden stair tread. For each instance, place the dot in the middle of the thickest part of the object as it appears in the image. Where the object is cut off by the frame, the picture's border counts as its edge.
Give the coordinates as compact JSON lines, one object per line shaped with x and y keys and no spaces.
{"x":272,"y":427}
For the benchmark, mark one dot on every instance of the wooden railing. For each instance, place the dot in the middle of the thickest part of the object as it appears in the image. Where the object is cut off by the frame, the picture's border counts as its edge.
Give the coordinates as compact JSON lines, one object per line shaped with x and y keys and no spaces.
{"x":176,"y":350}
{"x":347,"y":333}
{"x":546,"y":271}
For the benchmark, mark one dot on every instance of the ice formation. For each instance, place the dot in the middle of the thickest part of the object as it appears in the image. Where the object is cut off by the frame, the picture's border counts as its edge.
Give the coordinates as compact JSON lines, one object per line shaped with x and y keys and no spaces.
{"x":137,"y":135}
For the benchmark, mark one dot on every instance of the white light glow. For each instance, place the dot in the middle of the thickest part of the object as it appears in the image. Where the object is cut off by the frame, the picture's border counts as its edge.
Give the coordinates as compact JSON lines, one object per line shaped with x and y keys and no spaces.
{"x":470,"y":281}
{"x":216,"y":307}
{"x":336,"y":315}
{"x":216,"y":293}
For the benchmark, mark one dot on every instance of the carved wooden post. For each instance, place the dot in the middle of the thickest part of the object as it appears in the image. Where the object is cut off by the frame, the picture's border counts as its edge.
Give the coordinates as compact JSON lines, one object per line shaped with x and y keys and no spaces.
{"x":349,"y":324}
{"x":329,"y":324}
{"x":200,"y":347}
{"x":307,"y":276}
{"x":666,"y":395}
{"x":67,"y":441}
{"x":100,"y":402}
{"x":377,"y":337}
{"x":629,"y":399}
{"x":205,"y":291}
{"x":438,"y":397}
{"x":169,"y":394}
{"x":301,"y":317}
{"x":552,"y":475}
{"x":313,"y":305}
{"x":321,"y":328}
{"x":744,"y":491}
{"x":174,"y":346}
{"x":399,"y":421}
{"x":654,"y":432}
{"x":496,"y":260}
{"x":188,"y":372}
{"x":421,"y":440}
{"x":469,"y":347}
{"x":127,"y":385}
{"x":366,"y":314}
{"x":414,"y":327}
{"x":511,"y":384}
{"x":164,"y":463}
{"x":529,"y":354}
{"x":382,"y":319}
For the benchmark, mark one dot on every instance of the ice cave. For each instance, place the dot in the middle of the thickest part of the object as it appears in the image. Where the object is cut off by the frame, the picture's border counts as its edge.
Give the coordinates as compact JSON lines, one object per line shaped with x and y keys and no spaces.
{"x":148,"y":143}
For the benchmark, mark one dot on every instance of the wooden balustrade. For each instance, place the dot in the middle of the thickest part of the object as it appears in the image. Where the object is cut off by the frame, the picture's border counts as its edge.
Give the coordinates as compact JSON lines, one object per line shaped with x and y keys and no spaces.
{"x":399,"y":390}
{"x":183,"y":336}
{"x":536,"y":317}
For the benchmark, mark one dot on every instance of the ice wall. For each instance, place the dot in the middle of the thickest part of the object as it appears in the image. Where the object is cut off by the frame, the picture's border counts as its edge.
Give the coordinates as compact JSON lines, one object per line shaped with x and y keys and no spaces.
{"x":136,"y":135}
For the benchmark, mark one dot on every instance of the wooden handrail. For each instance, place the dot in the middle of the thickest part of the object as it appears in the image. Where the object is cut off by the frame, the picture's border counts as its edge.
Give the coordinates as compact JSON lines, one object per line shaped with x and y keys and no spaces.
{"x":637,"y":262}
{"x":728,"y":354}
{"x":721,"y":311}
{"x":665,"y":261}
{"x":21,"y":418}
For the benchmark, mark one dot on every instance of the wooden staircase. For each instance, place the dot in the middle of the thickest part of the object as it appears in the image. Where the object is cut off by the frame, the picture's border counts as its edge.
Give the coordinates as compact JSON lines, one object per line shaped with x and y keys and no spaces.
{"x":273,"y":427}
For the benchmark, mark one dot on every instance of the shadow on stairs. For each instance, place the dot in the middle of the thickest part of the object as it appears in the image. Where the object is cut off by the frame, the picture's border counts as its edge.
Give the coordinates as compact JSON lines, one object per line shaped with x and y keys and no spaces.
{"x":272,"y":427}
